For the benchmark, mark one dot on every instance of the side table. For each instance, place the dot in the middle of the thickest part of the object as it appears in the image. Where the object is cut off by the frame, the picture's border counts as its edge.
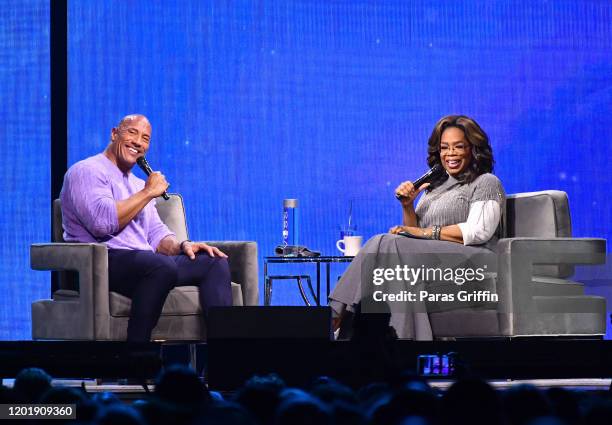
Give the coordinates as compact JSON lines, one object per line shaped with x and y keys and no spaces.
{"x":317,"y":261}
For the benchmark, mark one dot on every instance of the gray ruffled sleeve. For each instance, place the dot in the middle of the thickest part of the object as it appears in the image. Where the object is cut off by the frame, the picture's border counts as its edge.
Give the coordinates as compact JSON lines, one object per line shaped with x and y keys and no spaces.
{"x":488,"y":187}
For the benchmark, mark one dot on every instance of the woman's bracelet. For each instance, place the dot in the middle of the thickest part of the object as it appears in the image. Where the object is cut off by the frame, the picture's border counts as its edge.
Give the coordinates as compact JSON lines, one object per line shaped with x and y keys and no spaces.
{"x":435,"y":232}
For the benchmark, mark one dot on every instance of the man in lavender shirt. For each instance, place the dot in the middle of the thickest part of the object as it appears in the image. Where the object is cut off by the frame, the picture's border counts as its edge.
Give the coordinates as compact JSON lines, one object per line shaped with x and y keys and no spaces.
{"x":102,"y":201}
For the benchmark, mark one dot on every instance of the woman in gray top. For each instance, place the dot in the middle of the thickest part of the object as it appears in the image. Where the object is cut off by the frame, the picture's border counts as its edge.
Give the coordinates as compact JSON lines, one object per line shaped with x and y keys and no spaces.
{"x":413,"y":269}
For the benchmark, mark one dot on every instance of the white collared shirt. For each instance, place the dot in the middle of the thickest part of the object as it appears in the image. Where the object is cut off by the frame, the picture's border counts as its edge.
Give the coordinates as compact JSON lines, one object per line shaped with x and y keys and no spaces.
{"x":481,"y":223}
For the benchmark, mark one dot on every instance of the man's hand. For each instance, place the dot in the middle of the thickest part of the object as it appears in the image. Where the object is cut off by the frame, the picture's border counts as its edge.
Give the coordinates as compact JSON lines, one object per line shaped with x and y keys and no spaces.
{"x":156,"y":184}
{"x":127,"y":209}
{"x":408,"y":192}
{"x":191,"y":248}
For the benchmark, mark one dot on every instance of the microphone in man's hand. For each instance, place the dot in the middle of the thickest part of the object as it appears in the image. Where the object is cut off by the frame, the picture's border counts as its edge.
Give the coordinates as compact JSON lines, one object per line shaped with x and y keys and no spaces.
{"x":144,"y":166}
{"x":435,"y":171}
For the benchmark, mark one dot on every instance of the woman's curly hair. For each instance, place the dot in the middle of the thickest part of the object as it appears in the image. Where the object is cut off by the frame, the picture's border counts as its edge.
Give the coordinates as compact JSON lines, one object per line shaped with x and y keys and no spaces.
{"x":482,"y":154}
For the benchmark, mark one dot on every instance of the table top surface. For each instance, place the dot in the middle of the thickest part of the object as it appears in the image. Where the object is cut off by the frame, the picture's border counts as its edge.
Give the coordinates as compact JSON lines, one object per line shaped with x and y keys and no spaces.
{"x":320,"y":259}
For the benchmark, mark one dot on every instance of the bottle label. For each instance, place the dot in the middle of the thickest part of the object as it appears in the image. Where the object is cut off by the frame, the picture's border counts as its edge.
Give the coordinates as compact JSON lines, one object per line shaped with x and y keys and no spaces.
{"x":285,"y":226}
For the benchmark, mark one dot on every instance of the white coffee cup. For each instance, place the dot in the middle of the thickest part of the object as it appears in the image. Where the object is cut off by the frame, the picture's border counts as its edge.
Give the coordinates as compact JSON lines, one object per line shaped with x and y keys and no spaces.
{"x":350,"y":245}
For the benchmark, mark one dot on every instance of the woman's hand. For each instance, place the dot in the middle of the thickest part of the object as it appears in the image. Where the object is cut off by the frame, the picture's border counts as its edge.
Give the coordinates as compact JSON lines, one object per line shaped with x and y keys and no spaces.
{"x":450,"y":233}
{"x":407,"y":193}
{"x":413,"y":230}
{"x":396,"y":229}
{"x":408,"y":229}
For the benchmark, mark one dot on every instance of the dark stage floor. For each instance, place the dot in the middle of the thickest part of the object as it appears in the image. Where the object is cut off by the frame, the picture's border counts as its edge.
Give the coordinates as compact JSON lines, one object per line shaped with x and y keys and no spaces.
{"x":227,"y":363}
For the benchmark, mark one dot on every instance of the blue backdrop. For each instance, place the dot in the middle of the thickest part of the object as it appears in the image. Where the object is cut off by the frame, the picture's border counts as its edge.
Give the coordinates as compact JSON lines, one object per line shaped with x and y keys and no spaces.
{"x":252,"y":102}
{"x":24,"y":148}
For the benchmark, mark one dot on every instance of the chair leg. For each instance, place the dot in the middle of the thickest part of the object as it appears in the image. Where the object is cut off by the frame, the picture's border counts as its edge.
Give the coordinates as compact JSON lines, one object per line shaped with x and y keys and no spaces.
{"x":302,"y":293}
{"x":266,"y":283}
{"x":268,"y":291}
{"x":193,"y":356}
{"x":312,"y":292}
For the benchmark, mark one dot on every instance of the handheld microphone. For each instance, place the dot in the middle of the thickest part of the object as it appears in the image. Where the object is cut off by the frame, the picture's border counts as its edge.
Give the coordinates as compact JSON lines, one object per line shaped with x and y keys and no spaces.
{"x":425,"y":178}
{"x":144,"y":166}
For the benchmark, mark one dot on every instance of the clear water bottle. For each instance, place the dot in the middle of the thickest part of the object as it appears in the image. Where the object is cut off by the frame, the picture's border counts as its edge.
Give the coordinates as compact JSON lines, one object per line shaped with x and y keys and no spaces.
{"x":290,"y":222}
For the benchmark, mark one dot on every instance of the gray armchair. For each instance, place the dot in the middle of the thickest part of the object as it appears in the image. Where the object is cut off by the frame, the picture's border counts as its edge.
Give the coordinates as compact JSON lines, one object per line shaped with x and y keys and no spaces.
{"x":87,"y":310}
{"x":535,"y":264}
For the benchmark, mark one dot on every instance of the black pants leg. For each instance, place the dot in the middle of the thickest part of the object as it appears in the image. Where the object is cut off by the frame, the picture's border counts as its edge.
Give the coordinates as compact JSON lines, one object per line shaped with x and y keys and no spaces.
{"x":210,"y":274}
{"x":147,"y":278}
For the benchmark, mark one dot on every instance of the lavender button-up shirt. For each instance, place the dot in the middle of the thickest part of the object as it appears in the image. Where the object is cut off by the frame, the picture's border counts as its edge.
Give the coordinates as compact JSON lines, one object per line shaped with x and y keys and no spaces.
{"x":89,"y":214}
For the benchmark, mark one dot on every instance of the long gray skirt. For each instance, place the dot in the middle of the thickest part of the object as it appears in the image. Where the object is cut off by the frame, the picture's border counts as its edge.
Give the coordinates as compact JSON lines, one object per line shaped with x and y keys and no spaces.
{"x":386,"y":250}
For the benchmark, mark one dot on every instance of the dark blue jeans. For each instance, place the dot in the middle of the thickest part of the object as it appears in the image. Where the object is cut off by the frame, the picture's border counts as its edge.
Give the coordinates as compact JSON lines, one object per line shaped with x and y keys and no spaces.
{"x":147,"y":277}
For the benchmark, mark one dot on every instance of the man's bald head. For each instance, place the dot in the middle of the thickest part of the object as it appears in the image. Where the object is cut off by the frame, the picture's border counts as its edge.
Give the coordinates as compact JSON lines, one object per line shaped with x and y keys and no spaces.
{"x":129,"y":120}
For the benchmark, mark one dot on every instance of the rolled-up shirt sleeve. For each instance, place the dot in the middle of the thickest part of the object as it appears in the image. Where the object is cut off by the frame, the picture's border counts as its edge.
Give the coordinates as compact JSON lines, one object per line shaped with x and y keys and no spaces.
{"x":92,"y":200}
{"x":482,"y":222}
{"x":157,"y":229}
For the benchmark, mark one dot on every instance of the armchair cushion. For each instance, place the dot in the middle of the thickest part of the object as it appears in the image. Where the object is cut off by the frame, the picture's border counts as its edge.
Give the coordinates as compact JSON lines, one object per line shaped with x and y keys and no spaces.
{"x":539,"y":214}
{"x":182,"y":300}
{"x":172,"y":214}
{"x":543,"y":285}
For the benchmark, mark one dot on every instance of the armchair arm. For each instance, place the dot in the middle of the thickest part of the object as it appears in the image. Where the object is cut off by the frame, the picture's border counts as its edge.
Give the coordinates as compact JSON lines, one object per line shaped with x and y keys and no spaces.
{"x":243,"y":263}
{"x":90,"y":260}
{"x":556,"y":250}
{"x":517,"y":257}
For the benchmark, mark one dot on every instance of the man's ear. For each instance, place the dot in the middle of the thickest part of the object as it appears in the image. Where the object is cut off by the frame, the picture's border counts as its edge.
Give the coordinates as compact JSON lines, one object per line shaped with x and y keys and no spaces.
{"x":114,"y":132}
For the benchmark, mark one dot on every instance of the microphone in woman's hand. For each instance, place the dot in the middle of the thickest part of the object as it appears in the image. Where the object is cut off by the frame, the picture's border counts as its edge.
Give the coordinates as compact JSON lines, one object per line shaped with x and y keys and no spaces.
{"x":425,"y":178}
{"x":144,"y":166}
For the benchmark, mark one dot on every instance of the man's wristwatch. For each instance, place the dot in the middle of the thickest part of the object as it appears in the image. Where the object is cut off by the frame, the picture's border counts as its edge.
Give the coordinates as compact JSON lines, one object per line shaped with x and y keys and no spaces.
{"x":183,"y":244}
